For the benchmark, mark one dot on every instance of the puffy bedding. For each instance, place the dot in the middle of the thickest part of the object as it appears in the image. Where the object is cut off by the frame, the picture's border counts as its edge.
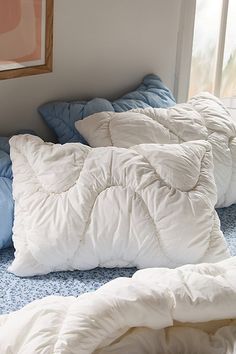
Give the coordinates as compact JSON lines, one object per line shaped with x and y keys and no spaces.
{"x":6,"y":200}
{"x":191,"y":309}
{"x":204,"y":117}
{"x":80,"y":208}
{"x":61,"y":115}
{"x":17,"y":292}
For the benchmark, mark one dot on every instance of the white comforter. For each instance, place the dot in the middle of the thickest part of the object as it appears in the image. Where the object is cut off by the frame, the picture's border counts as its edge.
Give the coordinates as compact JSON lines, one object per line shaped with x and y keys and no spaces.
{"x":80,"y":208}
{"x":187,"y":310}
{"x":204,"y":117}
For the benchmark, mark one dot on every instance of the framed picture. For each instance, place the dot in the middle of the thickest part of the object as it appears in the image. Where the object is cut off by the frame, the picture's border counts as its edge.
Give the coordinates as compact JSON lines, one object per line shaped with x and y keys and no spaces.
{"x":26,"y":37}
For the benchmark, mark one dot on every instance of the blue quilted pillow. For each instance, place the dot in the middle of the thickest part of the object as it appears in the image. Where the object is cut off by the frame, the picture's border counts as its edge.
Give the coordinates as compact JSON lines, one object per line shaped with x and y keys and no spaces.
{"x":61,"y":116}
{"x":6,"y":199}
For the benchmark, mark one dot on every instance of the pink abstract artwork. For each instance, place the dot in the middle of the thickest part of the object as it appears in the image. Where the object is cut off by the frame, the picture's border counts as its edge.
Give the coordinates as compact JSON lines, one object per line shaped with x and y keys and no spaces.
{"x":22,"y":33}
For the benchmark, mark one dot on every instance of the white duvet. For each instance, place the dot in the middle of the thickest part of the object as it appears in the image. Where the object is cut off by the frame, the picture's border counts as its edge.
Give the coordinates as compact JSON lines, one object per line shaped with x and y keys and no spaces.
{"x":204,"y":117}
{"x":80,"y":208}
{"x":187,"y":310}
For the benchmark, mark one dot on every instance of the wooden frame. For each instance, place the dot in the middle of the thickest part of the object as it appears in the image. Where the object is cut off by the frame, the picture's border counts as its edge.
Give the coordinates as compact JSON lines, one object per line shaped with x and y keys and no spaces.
{"x":47,"y":66}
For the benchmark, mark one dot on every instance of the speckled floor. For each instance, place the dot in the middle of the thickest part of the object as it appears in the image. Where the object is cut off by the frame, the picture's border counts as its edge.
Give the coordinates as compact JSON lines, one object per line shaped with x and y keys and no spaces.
{"x":17,"y":292}
{"x":228,"y":226}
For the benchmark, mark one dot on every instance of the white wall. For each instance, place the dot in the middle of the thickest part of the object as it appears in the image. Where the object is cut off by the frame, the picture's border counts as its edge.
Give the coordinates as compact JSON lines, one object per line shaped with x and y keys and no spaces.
{"x":101,"y":48}
{"x":184,"y":50}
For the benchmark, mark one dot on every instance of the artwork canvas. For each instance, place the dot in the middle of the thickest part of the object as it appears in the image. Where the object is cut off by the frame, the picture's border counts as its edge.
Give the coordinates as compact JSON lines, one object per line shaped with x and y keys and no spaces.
{"x":25,"y":37}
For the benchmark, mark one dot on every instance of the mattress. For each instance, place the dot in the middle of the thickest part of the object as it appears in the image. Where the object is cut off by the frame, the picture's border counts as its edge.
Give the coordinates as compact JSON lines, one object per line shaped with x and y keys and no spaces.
{"x":16,"y":292}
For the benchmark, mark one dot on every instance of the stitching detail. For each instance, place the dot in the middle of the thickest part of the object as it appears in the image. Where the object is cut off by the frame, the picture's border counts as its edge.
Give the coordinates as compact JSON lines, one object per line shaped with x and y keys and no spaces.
{"x":124,"y":187}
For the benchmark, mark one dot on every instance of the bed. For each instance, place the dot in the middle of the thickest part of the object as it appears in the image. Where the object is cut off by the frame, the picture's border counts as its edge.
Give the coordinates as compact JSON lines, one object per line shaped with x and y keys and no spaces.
{"x":17,"y":292}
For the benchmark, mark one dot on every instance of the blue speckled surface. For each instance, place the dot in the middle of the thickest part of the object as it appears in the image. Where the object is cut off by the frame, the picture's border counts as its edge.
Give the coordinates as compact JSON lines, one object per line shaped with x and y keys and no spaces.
{"x":17,"y":292}
{"x":228,"y":226}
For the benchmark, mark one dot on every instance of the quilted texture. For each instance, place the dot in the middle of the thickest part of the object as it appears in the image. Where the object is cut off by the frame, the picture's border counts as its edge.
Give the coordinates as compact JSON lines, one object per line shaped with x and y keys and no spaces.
{"x":80,"y":208}
{"x":191,"y":309}
{"x":61,"y":116}
{"x":6,"y":200}
{"x":204,"y":117}
{"x":17,"y":292}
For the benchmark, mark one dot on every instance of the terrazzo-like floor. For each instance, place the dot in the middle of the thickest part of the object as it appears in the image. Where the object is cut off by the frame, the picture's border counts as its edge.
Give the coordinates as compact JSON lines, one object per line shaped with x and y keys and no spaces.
{"x":16,"y":292}
{"x":228,"y":226}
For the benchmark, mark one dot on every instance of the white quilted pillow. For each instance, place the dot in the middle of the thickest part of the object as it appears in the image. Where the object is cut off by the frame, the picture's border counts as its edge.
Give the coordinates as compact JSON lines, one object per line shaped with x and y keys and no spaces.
{"x":80,"y":208}
{"x":204,"y":117}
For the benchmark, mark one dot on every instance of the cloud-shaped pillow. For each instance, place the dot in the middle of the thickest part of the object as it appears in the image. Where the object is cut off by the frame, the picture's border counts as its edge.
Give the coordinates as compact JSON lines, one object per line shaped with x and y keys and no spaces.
{"x":61,"y":116}
{"x":80,"y":208}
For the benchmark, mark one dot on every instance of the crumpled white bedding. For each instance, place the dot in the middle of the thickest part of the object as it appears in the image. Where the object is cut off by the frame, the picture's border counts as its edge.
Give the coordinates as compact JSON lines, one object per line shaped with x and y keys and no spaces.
{"x":191,"y":309}
{"x":204,"y":117}
{"x":80,"y":208}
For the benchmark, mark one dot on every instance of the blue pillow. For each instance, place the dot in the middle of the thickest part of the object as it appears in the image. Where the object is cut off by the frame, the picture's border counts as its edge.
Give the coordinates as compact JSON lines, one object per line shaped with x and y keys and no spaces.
{"x":61,"y":116}
{"x":6,"y":198}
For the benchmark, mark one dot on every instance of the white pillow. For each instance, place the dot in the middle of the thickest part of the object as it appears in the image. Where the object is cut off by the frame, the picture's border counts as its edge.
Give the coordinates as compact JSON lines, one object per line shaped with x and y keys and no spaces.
{"x":80,"y":208}
{"x":204,"y":117}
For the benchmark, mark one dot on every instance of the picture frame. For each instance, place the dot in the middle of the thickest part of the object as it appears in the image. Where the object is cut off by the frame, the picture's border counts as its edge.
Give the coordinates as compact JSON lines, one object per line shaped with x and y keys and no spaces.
{"x":26,"y":38}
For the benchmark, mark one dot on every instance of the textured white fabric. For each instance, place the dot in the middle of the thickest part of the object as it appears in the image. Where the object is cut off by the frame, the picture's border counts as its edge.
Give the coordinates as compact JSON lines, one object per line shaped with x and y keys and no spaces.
{"x":204,"y":117}
{"x":79,"y":208}
{"x":187,"y":310}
